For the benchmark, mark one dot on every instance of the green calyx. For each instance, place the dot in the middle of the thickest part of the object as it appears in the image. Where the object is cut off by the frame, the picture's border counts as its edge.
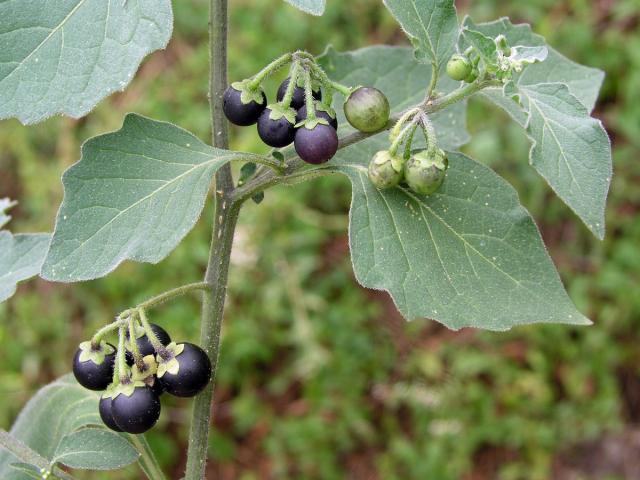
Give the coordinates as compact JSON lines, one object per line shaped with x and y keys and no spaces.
{"x":278,"y":111}
{"x":248,"y":94}
{"x":170,"y":364}
{"x":459,"y":67}
{"x":126,"y":389}
{"x":426,"y":170}
{"x":385,"y":170}
{"x":311,"y":123}
{"x":89,"y":352}
{"x":150,"y":368}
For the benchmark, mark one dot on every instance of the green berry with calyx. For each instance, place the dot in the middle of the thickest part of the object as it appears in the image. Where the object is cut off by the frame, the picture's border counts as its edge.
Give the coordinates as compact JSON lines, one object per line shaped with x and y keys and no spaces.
{"x":425,"y":171}
{"x":367,"y":109}
{"x":459,"y":67}
{"x":473,"y":76}
{"x":382,"y":172}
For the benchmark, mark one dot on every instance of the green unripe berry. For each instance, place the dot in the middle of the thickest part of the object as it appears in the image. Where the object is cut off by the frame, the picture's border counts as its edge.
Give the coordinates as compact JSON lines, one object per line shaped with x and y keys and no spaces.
{"x":459,"y":67}
{"x":381,"y":171}
{"x":425,"y":171}
{"x":367,"y":109}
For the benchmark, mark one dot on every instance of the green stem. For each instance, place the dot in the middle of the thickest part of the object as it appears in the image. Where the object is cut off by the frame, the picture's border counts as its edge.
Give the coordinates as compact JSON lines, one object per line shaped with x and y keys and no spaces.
{"x":293,"y":81}
{"x":270,"y":69}
{"x":173,"y":293}
{"x":148,"y":462}
{"x":308,"y":96}
{"x":397,"y":128}
{"x":429,"y":133}
{"x":225,"y":220}
{"x":434,"y":80}
{"x":406,"y":131}
{"x":27,"y":455}
{"x":121,"y":362}
{"x":326,"y":81}
{"x":153,"y":338}
{"x":133,"y":346}
{"x":99,"y":335}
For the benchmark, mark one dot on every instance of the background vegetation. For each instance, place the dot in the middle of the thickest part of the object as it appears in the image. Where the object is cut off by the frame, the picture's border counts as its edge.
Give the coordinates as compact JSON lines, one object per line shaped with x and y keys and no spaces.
{"x":320,"y":379}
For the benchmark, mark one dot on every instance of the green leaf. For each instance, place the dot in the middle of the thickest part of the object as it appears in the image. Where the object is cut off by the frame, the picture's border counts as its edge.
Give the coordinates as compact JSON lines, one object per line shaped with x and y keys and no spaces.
{"x":65,"y":56}
{"x":26,"y":468}
{"x":404,"y":81}
{"x":134,"y":194}
{"x":484,"y":45}
{"x":56,"y":410}
{"x":5,"y":204}
{"x":583,"y":82}
{"x":529,"y":55}
{"x":314,"y":7}
{"x":570,"y":150}
{"x":95,"y":449}
{"x":432,"y":26}
{"x":468,"y":256}
{"x":21,"y":257}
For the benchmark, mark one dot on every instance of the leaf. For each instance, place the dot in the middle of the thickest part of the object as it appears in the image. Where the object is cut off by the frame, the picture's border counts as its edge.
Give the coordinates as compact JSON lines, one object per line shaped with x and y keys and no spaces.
{"x":95,"y":449}
{"x":529,"y":55}
{"x":395,"y":72}
{"x":21,"y":257}
{"x":467,"y":256}
{"x":56,"y":410}
{"x":314,"y":7}
{"x":583,"y":82}
{"x":570,"y":150}
{"x":5,"y":204}
{"x":30,"y":470}
{"x":432,"y":25}
{"x":65,"y":56}
{"x":134,"y":194}
{"x":484,"y":45}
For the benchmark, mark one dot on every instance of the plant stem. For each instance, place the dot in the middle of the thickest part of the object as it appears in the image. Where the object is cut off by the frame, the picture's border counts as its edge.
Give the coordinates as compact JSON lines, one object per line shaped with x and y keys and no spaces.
{"x":147,"y":461}
{"x":151,"y":335}
{"x":308,"y":95}
{"x":293,"y":81}
{"x":97,"y":337}
{"x":225,"y":220}
{"x":171,"y":294}
{"x":269,"y":70}
{"x":433,"y":82}
{"x":121,"y":363}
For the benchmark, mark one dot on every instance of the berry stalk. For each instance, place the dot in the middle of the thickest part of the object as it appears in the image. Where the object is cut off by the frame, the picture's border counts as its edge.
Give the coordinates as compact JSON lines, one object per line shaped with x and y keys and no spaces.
{"x":269,"y":70}
{"x":293,"y":82}
{"x":308,"y":95}
{"x":151,"y":335}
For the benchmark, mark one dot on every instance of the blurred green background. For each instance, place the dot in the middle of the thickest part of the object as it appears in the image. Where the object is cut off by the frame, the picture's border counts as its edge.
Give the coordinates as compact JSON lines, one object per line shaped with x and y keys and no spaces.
{"x":319,"y":378}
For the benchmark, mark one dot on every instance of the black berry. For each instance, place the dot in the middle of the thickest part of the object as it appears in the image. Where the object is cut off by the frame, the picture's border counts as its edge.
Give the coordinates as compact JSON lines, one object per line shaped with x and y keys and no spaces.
{"x":107,"y":415}
{"x":275,"y":133}
{"x":240,"y":113}
{"x":92,"y":375}
{"x":193,"y":374}
{"x":297,"y":101}
{"x":316,"y":145}
{"x":144,"y":345}
{"x":138,"y":412}
{"x":302,"y":116}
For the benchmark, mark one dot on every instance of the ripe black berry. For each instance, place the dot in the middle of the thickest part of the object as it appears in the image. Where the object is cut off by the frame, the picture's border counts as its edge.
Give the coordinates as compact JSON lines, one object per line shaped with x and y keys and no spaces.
{"x":144,"y":345}
{"x":193,"y":374}
{"x":297,"y":101}
{"x":302,"y":116}
{"x":138,"y":412}
{"x":276,"y":133}
{"x":240,"y":113}
{"x":107,"y":415}
{"x":316,"y":145}
{"x":92,"y":375}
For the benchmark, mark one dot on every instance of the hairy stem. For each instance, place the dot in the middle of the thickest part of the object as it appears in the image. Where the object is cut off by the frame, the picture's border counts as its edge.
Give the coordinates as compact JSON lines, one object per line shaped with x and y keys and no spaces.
{"x":225,"y":219}
{"x":171,"y":294}
{"x":147,"y":460}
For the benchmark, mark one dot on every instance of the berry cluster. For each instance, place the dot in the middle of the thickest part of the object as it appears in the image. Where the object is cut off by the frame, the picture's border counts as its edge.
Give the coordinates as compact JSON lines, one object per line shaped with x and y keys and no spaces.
{"x":466,"y":66}
{"x":302,"y":114}
{"x":423,"y":170}
{"x":133,"y":376}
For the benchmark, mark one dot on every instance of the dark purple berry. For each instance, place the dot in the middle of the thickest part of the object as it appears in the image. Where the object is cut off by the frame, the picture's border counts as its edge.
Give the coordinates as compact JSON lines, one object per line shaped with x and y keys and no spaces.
{"x":302,"y":115}
{"x":193,"y":375}
{"x":297,"y":101}
{"x":92,"y":375}
{"x":106,"y":414}
{"x":275,"y":133}
{"x":138,"y":412}
{"x":144,"y":345}
{"x":316,"y":145}
{"x":240,"y":113}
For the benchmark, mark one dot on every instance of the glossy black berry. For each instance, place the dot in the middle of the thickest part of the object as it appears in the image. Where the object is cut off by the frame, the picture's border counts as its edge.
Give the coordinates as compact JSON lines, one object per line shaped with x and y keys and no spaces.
{"x":302,"y":115}
{"x":138,"y":412}
{"x":144,"y":345}
{"x":106,"y":414}
{"x":193,"y":374}
{"x":297,"y":101}
{"x":316,"y":145}
{"x":91,"y":375}
{"x":240,"y":113}
{"x":275,"y":133}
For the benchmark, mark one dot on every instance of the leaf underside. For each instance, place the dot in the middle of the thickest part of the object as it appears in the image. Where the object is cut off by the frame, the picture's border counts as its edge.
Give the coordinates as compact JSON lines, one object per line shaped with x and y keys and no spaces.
{"x":65,"y":56}
{"x":469,"y":255}
{"x":95,"y":449}
{"x":21,"y":258}
{"x":314,"y":7}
